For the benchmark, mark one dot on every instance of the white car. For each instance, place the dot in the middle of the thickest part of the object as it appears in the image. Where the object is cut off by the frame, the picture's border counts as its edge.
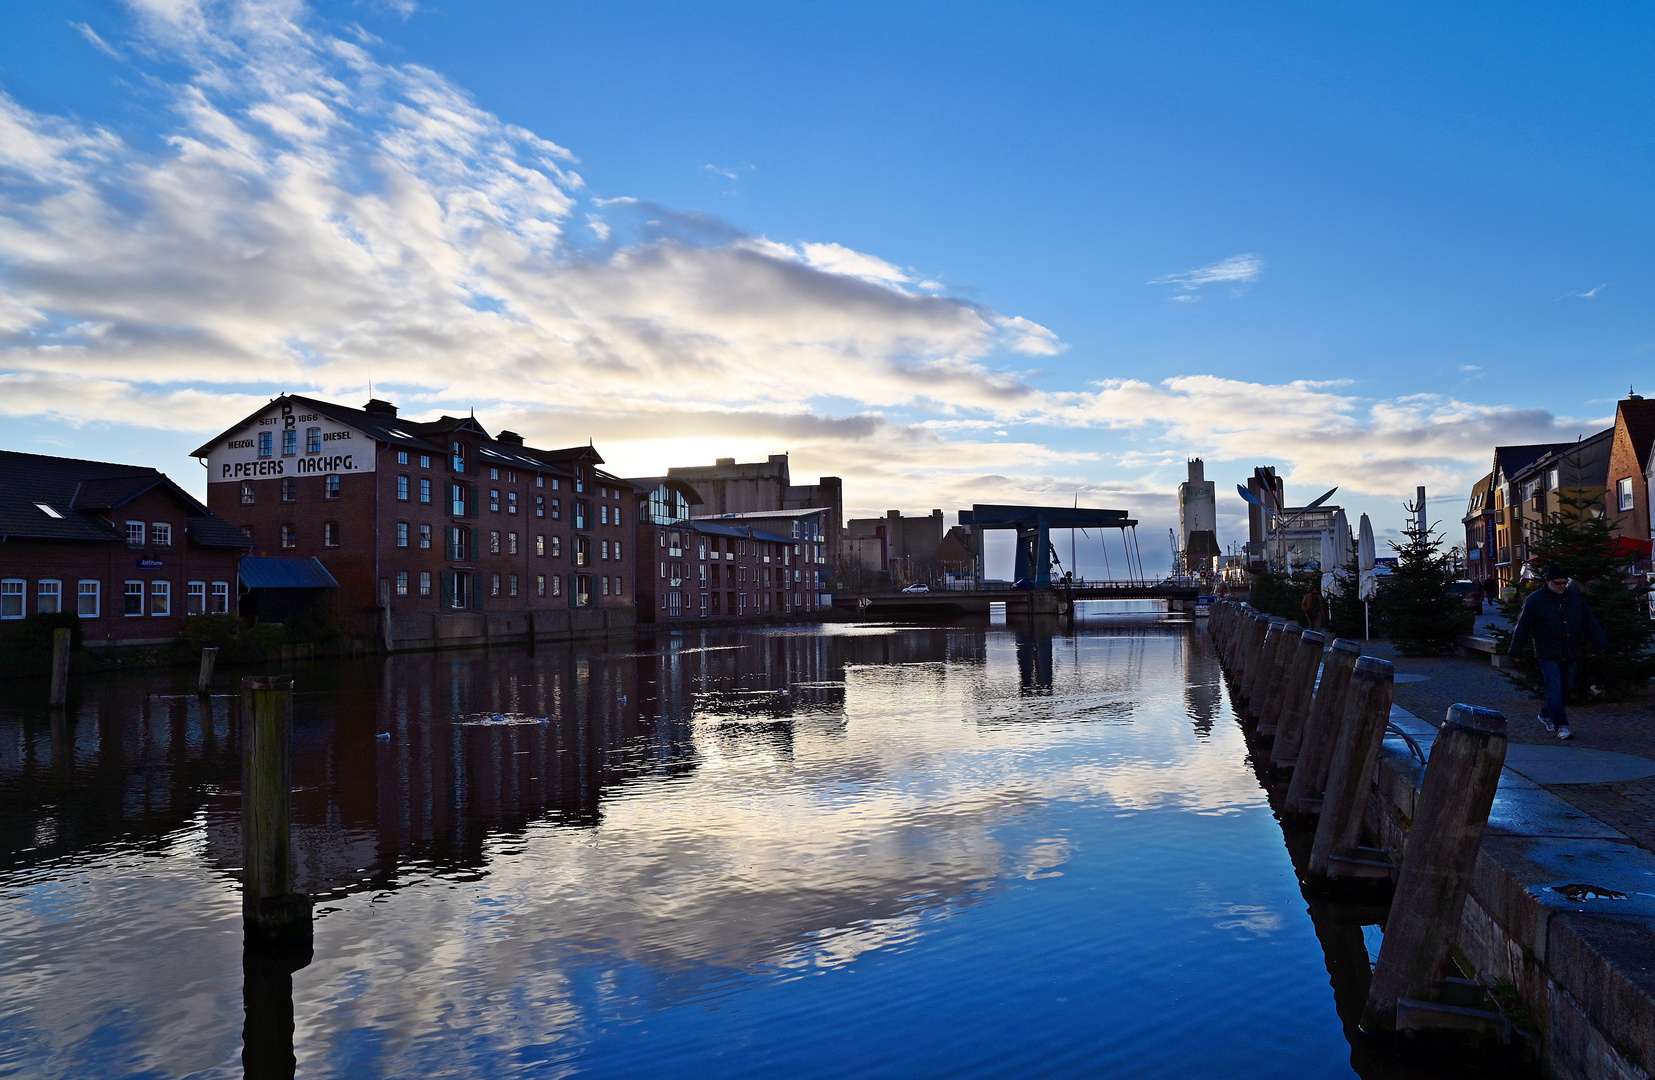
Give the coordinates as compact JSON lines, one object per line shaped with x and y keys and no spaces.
{"x":918,"y":588}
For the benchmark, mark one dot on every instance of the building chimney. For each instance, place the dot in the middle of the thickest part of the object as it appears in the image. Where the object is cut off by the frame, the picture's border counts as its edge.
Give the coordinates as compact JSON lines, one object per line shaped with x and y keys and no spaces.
{"x":376,"y":407}
{"x":720,"y":462}
{"x":774,"y":458}
{"x":509,"y":438}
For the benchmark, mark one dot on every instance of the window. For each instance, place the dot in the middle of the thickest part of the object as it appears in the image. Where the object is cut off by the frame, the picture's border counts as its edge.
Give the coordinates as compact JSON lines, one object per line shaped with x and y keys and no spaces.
{"x":402,"y":583}
{"x":267,"y":444}
{"x":290,"y":442}
{"x":330,"y":534}
{"x":402,"y":457}
{"x":540,"y":584}
{"x":160,"y":598}
{"x":289,"y":538}
{"x":221,"y":598}
{"x":160,"y":534}
{"x":617,"y":549}
{"x":511,"y":476}
{"x":48,"y":597}
{"x":425,"y":490}
{"x":313,"y":440}
{"x":540,"y":506}
{"x":195,"y":597}
{"x":402,"y":536}
{"x":583,"y":551}
{"x":603,"y":549}
{"x":459,"y":591}
{"x":11,"y":598}
{"x":511,"y":585}
{"x":425,"y":461}
{"x":511,"y":543}
{"x":134,"y":534}
{"x":583,"y":590}
{"x":425,"y":537}
{"x":511,"y":502}
{"x":618,"y":586}
{"x":603,"y":514}
{"x":494,"y":543}
{"x":557,"y":546}
{"x":459,"y":543}
{"x":330,"y":486}
{"x":402,"y":489}
{"x":1623,"y":492}
{"x":133,"y":598}
{"x":540,"y":546}
{"x":457,"y":452}
{"x":580,"y":482}
{"x":557,"y":584}
{"x":290,"y":489}
{"x":604,"y":582}
{"x":494,"y":474}
{"x":494,"y":499}
{"x":582,"y":512}
{"x":456,"y":499}
{"x":88,"y":593}
{"x":557,"y":485}
{"x":616,"y":517}
{"x":539,"y":481}
{"x":247,"y":493}
{"x":425,"y":583}
{"x":557,"y":510}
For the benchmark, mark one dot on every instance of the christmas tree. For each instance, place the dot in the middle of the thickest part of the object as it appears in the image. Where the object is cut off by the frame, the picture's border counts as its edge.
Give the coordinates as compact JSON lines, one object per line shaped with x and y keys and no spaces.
{"x":1577,"y":538}
{"x":1414,"y":608}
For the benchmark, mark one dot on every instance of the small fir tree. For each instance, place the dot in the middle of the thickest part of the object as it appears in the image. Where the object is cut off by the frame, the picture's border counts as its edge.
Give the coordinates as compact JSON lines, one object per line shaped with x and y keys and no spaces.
{"x":1415,"y":608}
{"x":1577,"y":537}
{"x":1282,"y":594}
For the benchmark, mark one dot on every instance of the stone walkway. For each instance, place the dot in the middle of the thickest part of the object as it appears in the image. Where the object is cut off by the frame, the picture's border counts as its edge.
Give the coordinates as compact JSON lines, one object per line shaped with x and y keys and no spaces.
{"x":1626,"y":727}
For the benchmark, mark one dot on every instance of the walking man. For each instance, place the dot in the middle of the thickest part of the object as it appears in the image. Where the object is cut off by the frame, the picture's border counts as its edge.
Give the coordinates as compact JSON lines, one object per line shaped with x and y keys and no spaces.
{"x":1557,"y":619}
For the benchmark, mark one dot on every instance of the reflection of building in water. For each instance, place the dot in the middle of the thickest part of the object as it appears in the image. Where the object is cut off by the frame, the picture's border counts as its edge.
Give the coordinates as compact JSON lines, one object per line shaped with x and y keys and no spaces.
{"x":1202,"y":691}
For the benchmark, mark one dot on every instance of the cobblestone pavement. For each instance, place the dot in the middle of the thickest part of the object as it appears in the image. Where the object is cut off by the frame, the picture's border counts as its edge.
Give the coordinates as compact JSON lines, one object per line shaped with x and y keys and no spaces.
{"x":1627,"y":727}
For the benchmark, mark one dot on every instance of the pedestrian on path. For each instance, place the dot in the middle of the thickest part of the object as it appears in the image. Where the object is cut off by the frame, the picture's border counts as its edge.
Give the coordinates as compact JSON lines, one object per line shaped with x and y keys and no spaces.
{"x":1557,"y":619}
{"x":1314,"y":607}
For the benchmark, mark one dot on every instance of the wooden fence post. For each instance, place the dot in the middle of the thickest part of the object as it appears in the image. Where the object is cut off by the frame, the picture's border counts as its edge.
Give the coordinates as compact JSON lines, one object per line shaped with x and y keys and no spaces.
{"x":1367,"y":711}
{"x":61,"y":639}
{"x":270,"y":909}
{"x":1297,"y":691}
{"x":1424,"y":923}
{"x":1321,"y":729}
{"x":1275,"y":679}
{"x":204,"y":680}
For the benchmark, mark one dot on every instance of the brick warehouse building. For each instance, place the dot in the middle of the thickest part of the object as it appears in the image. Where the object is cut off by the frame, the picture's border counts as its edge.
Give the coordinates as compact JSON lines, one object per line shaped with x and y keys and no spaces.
{"x":693,"y":568}
{"x":121,"y":545}
{"x":437,"y":532}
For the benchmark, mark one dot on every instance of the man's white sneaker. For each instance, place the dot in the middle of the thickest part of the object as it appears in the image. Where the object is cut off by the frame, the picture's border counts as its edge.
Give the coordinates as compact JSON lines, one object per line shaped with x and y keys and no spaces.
{"x":1546,"y":722}
{"x":1563,"y":732}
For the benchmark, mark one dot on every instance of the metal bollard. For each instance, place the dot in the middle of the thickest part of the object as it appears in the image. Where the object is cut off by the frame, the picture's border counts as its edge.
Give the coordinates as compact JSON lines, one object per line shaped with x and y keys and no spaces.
{"x":1275,"y":678}
{"x":1321,"y":729}
{"x":1297,"y":690}
{"x":1424,"y":923}
{"x":1367,"y":711}
{"x":269,"y":907}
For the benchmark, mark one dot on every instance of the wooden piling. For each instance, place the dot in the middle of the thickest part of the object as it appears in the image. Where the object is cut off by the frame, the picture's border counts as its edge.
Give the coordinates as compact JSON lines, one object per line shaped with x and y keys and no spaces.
{"x":1275,"y":678}
{"x":1367,"y":711}
{"x":1258,"y":624}
{"x":1297,"y":690}
{"x":270,"y":909}
{"x":1266,"y":663}
{"x":61,"y":639}
{"x":1321,"y":729}
{"x":1454,"y":801}
{"x":204,"y":680}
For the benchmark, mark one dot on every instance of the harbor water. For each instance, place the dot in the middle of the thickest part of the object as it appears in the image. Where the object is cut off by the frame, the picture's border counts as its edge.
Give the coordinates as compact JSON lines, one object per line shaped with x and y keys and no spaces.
{"x":972,"y":850}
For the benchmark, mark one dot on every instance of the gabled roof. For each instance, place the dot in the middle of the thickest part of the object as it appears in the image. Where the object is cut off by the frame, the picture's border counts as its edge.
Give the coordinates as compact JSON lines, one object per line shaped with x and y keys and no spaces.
{"x":54,"y":498}
{"x":1511,"y":460}
{"x":643,"y":485}
{"x":289,"y":573}
{"x":1637,"y":415}
{"x":383,"y":425}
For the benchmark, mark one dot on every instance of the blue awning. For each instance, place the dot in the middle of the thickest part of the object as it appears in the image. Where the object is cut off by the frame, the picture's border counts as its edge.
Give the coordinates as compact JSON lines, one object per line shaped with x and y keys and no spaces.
{"x":262,"y":573}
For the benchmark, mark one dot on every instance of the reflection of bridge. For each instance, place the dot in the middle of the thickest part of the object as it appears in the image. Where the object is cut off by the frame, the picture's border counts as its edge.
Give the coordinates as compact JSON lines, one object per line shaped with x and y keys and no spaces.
{"x":1050,"y":601}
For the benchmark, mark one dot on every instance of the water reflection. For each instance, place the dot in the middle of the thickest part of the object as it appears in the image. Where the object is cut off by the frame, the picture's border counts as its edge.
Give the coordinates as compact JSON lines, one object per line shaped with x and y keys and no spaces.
{"x":950,"y":848}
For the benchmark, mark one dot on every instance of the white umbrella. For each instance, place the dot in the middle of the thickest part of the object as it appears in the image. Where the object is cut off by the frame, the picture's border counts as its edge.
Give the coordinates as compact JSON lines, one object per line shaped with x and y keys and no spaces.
{"x":1364,"y":544}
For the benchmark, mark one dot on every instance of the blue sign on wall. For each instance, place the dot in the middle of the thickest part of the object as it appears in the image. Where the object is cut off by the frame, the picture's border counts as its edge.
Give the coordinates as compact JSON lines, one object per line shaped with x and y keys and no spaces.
{"x":149,"y":564}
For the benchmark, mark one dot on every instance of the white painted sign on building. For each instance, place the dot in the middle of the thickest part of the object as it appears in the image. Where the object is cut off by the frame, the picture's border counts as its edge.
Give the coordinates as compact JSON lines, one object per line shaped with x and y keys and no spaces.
{"x":289,"y":440}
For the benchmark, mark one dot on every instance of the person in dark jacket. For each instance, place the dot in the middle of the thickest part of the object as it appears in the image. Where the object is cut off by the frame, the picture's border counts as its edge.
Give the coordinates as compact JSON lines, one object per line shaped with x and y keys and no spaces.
{"x":1558,"y":621}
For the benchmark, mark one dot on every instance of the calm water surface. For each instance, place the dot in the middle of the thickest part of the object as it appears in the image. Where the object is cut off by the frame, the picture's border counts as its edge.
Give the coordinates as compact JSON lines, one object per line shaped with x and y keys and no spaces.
{"x":964,"y":851}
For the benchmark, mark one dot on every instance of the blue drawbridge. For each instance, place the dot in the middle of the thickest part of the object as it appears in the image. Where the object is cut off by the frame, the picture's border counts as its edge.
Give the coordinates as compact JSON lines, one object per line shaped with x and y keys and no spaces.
{"x":1035,"y":553}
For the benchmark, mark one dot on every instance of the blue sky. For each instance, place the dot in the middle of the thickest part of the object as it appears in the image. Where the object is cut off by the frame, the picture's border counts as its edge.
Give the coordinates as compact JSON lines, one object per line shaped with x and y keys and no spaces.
{"x":949,"y":253}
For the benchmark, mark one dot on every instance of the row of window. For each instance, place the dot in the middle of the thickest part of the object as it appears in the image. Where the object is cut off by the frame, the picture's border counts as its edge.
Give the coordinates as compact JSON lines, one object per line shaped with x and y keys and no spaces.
{"x":159,"y":535}
{"x":676,"y":605}
{"x":137,"y":598}
{"x":290,"y":442}
{"x":457,"y":587}
{"x":290,"y":489}
{"x":677,"y":573}
{"x":290,"y":534}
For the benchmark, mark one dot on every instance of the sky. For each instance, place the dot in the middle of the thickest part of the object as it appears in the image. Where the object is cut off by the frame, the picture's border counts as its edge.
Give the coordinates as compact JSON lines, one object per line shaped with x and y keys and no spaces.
{"x":950,"y":253}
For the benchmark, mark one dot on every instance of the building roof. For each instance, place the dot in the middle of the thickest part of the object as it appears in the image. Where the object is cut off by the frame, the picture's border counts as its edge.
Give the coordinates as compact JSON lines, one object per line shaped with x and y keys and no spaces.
{"x":645,"y":484}
{"x":756,"y":514}
{"x":275,"y":573}
{"x":744,"y":532}
{"x":55,"y":498}
{"x":1511,"y":460}
{"x":1638,"y":416}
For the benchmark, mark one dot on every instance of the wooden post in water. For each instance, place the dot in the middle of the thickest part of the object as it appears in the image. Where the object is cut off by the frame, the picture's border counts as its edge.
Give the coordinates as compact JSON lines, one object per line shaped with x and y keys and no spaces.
{"x":61,"y":638}
{"x":1321,"y":729}
{"x":1266,"y":662}
{"x":204,"y":680}
{"x":1367,"y":711}
{"x":269,"y":907}
{"x":1436,"y":870}
{"x":1297,"y":692}
{"x":1258,"y":624}
{"x":1275,"y":678}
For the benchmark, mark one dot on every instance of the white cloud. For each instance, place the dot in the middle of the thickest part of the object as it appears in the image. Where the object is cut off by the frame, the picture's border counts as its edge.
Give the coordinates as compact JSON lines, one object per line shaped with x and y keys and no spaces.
{"x":1589,"y":294}
{"x":1236,"y":270}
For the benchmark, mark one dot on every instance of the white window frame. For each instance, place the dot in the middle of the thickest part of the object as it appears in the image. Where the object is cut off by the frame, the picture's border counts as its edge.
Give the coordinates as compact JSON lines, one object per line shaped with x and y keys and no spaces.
{"x":134,"y":534}
{"x":160,"y":594}
{"x":56,"y":593}
{"x":425,"y":583}
{"x":402,"y":583}
{"x":95,"y":592}
{"x":1623,"y":493}
{"x":160,"y":534}
{"x":219,"y":592}
{"x":10,"y":587}
{"x":195,"y":598}
{"x":141,"y":592}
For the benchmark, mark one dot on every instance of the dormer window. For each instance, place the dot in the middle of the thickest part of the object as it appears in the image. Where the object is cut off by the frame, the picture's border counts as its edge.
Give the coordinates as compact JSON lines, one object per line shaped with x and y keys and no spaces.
{"x":458,"y":452}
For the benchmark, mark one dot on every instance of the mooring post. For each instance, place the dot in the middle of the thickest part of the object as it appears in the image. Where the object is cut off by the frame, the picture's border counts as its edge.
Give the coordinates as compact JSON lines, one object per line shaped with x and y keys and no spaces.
{"x":1266,"y":660}
{"x":1367,"y":711}
{"x":1275,"y":678}
{"x":269,"y":907}
{"x":1258,"y":625}
{"x":1297,"y":690}
{"x":1321,"y":728}
{"x":61,"y":638}
{"x":204,"y":680}
{"x":1441,"y":853}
